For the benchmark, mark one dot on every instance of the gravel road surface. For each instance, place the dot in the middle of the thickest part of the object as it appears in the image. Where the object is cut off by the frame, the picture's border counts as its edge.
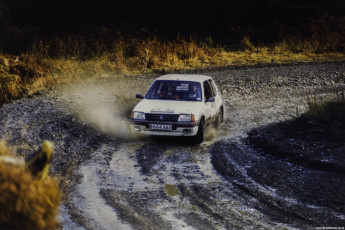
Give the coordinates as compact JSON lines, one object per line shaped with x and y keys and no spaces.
{"x":235,"y":179}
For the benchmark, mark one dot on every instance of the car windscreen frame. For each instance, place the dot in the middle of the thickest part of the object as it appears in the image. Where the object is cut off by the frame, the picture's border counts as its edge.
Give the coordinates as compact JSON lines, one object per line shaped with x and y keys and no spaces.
{"x":182,"y":88}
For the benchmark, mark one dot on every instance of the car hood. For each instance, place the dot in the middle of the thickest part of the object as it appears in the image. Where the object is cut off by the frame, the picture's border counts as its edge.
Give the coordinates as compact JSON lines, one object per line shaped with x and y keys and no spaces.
{"x":167,"y":106}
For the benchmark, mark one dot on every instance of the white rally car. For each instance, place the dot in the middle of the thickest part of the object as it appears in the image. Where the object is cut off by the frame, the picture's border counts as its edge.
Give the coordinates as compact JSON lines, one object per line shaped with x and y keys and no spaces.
{"x":179,"y":105}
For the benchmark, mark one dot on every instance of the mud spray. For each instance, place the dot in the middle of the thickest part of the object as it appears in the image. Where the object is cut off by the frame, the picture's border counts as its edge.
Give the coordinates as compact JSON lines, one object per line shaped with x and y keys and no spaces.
{"x":105,"y":108}
{"x":100,"y":109}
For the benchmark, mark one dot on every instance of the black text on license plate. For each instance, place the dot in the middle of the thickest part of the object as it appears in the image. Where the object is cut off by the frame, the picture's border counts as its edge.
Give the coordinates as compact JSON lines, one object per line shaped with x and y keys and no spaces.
{"x":160,"y":127}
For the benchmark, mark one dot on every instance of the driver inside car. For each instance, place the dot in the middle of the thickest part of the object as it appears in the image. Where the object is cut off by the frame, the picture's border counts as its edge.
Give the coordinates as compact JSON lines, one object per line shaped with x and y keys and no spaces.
{"x":194,"y":91}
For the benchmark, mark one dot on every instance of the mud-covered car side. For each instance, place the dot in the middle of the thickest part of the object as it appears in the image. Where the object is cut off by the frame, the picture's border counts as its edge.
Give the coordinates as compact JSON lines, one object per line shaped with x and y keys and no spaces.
{"x":178,"y":105}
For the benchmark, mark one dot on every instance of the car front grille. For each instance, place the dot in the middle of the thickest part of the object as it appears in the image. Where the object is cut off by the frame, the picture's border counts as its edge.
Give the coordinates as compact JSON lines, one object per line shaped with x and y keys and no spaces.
{"x":161,"y":117}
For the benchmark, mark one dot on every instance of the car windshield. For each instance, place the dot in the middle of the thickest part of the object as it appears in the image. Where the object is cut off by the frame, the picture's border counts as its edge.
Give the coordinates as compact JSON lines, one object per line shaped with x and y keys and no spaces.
{"x":175,"y":90}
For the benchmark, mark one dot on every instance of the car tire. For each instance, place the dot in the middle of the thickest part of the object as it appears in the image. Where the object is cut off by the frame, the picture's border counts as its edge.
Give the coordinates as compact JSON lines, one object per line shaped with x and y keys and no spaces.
{"x":200,"y":134}
{"x":219,"y":120}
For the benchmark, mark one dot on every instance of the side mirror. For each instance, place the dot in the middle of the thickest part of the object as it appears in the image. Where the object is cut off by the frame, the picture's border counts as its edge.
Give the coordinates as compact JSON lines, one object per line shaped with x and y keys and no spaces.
{"x":210,"y":99}
{"x":139,"y":96}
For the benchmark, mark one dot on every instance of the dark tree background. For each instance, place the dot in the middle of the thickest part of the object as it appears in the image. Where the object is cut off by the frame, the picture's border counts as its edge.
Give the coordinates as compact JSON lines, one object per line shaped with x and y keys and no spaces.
{"x":226,"y":22}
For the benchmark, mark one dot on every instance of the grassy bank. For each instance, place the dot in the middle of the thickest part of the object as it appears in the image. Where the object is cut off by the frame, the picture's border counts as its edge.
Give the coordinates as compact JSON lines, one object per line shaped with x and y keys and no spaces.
{"x":330,"y":111}
{"x":39,"y":69}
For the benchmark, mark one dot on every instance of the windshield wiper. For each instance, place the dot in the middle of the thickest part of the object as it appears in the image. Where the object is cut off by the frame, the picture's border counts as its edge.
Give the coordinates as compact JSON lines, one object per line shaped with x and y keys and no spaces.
{"x":190,"y":99}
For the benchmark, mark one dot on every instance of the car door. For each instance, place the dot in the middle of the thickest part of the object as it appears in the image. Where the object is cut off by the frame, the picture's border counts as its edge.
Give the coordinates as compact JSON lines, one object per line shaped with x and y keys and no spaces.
{"x":217,"y":96}
{"x":209,"y":106}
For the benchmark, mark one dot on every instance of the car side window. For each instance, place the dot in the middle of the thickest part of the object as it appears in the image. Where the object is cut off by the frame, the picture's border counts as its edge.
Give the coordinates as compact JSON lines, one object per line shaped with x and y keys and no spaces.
{"x":213,"y":88}
{"x":207,"y":90}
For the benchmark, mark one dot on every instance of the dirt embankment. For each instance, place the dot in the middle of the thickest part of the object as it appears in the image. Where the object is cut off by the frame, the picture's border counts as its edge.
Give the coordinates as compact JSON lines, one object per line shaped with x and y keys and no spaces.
{"x":304,"y":141}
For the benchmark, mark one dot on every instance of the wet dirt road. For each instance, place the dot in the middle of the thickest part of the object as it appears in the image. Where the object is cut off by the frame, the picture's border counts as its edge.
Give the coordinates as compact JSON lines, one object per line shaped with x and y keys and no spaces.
{"x":114,"y":180}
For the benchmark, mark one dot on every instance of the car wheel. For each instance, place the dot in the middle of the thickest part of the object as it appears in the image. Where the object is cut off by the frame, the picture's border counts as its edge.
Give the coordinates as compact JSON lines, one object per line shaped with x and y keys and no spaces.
{"x":200,"y":134}
{"x":219,"y":120}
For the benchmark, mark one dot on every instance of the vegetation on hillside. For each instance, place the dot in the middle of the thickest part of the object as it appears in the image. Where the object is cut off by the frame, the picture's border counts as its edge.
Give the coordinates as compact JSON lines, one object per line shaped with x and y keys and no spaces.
{"x":38,"y":69}
{"x":43,"y":47}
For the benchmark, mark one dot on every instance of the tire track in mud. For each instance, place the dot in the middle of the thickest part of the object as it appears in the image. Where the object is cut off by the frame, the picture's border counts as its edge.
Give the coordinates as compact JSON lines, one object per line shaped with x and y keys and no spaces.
{"x":272,"y":200}
{"x":181,"y":191}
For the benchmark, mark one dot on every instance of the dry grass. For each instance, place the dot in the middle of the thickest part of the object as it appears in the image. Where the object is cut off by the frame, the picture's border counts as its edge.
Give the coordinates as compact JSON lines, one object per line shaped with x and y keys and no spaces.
{"x":137,"y":56}
{"x":21,"y":75}
{"x":26,"y":202}
{"x":330,"y":110}
{"x":63,"y":60}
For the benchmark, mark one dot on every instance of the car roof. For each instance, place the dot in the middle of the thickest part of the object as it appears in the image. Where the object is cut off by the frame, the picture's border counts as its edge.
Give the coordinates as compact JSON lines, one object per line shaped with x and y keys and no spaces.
{"x":184,"y":77}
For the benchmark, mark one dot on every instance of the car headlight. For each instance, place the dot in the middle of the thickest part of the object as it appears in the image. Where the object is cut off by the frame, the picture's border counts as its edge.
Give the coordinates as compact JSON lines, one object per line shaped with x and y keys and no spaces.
{"x":186,"y":117}
{"x":138,"y":115}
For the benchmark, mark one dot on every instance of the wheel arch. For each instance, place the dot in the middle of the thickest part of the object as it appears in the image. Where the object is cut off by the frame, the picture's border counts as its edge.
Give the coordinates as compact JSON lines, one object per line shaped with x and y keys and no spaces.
{"x":202,"y":118}
{"x":222,"y":109}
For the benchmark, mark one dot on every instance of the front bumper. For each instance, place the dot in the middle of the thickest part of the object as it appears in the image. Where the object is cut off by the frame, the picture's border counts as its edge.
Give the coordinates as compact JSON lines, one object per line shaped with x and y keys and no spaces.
{"x":178,"y":128}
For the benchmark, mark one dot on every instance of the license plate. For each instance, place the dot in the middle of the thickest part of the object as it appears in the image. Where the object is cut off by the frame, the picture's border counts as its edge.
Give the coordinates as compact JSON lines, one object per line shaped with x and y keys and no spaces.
{"x":160,"y":127}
